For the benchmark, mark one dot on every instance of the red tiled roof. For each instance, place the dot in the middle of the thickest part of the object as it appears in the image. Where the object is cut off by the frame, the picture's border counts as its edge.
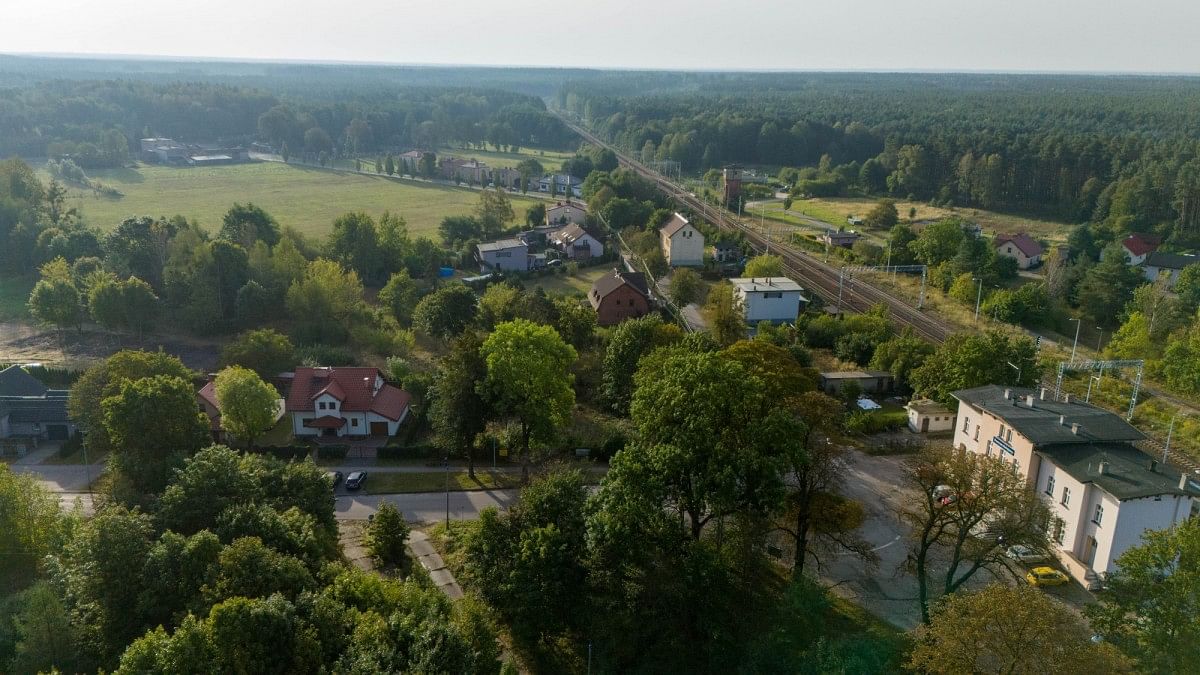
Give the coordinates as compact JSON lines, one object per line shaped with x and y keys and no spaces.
{"x":1022,"y":241}
{"x":326,"y":422}
{"x":1141,"y":244}
{"x":356,"y":387}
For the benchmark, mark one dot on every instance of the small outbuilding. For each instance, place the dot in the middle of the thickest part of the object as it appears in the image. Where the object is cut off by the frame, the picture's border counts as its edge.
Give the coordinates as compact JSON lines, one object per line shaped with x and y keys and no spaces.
{"x":925,"y":416}
{"x":506,"y":255}
{"x":868,"y":381}
{"x":774,"y":299}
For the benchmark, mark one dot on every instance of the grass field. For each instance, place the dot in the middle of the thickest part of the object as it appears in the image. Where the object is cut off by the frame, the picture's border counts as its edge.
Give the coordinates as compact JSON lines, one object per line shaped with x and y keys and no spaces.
{"x":551,"y":160}
{"x":836,"y":210}
{"x":308,"y":199}
{"x":14,"y":293}
{"x":569,"y":285}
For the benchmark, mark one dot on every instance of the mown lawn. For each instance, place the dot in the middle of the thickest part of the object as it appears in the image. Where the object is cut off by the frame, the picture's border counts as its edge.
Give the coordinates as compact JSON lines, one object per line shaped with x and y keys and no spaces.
{"x":434,"y":481}
{"x":551,"y":160}
{"x":306,"y":198}
{"x":569,"y":285}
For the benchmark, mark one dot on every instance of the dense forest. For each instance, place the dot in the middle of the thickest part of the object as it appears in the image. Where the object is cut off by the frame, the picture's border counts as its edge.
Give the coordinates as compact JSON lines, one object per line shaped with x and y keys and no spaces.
{"x":1121,"y":150}
{"x":313,"y":109}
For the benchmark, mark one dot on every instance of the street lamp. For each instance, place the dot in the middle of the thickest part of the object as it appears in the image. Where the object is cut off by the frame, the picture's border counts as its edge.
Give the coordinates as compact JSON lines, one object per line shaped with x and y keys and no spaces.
{"x":1095,"y":379}
{"x":447,"y":493}
{"x":1075,"y":344}
{"x":1016,"y":368}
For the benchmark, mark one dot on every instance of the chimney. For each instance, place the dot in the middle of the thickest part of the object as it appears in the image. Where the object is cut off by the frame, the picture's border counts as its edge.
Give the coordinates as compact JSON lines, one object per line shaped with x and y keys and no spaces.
{"x":1045,"y":391}
{"x":1183,"y":481}
{"x":1075,"y":427}
{"x":1029,"y":400}
{"x":1062,"y":420}
{"x":367,"y":384}
{"x":1153,"y":465}
{"x":1007,"y":394}
{"x":1103,"y":468}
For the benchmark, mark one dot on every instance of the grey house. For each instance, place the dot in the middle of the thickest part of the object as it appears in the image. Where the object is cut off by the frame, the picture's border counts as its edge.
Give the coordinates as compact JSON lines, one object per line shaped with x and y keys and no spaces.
{"x":31,"y":410}
{"x":506,"y":255}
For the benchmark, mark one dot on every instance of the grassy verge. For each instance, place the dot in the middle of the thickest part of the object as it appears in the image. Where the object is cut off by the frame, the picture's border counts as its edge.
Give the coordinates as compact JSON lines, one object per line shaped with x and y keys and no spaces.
{"x":435,"y":481}
{"x":570,"y":285}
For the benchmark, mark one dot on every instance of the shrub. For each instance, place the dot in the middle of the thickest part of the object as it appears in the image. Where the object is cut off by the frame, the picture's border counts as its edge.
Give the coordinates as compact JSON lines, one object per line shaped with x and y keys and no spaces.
{"x":332,"y":451}
{"x":325,"y":355}
{"x":285,"y":452}
{"x":387,"y":535}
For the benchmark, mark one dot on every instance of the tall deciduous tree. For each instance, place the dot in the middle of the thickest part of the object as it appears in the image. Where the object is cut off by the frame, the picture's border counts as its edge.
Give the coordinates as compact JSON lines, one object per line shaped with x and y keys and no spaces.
{"x":685,"y":286}
{"x":245,"y":224}
{"x":325,"y":301}
{"x":628,"y":343}
{"x":247,"y":403}
{"x":494,"y":211}
{"x":883,"y":216}
{"x":447,"y":311}
{"x":529,"y":377}
{"x":1003,"y":629}
{"x":764,"y":266}
{"x":459,"y":412}
{"x":970,"y":509}
{"x":265,"y":351}
{"x":154,"y":422}
{"x":400,"y":295}
{"x":725,"y":316}
{"x":966,"y":360}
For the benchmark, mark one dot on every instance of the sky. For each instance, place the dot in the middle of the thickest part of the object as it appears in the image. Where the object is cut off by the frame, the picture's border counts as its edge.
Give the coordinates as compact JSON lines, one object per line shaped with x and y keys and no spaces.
{"x":943,"y":35}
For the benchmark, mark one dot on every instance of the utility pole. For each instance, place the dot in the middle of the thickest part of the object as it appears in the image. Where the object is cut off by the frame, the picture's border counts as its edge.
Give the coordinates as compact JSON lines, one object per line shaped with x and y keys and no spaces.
{"x":978,"y":297}
{"x":1099,"y":340}
{"x":447,"y":493}
{"x":1170,"y":432}
{"x":1078,"y":323}
{"x":1016,"y":368}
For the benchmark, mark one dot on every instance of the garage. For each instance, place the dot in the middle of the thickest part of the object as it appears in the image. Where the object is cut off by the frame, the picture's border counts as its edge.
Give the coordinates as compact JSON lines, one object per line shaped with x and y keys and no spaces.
{"x":57,"y":432}
{"x":379,"y":429}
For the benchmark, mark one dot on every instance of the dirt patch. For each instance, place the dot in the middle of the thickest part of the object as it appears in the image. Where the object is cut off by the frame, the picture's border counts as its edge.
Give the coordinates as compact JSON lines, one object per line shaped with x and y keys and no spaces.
{"x":26,"y":343}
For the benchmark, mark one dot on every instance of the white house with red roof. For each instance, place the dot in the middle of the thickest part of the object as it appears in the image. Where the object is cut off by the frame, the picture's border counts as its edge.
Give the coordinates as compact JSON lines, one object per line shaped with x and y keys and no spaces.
{"x":1020,"y":247}
{"x":345,"y":402}
{"x":1138,"y":246}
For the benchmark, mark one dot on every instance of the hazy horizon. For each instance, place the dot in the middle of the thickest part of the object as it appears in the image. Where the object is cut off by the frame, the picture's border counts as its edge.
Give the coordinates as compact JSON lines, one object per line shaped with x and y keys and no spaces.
{"x":1022,"y":36}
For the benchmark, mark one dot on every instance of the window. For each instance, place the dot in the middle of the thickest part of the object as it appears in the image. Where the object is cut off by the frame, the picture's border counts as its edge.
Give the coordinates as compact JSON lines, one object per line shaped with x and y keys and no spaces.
{"x":321,"y":405}
{"x":976,"y":432}
{"x":772,"y":294}
{"x":1001,"y":434}
{"x":1060,"y":531}
{"x":503,"y":254}
{"x":1066,"y":497}
{"x":966,"y":424}
{"x":1009,"y":437}
{"x":354,"y":422}
{"x":1050,"y":485}
{"x":1098,"y":516}
{"x":1016,"y":465}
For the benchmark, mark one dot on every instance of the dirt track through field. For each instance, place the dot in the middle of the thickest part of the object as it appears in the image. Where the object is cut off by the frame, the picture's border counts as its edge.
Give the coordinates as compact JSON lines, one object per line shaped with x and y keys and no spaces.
{"x":25,"y":343}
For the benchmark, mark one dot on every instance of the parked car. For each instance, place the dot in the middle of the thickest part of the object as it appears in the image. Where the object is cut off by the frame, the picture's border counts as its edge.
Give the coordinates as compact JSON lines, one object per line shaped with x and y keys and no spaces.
{"x":355,"y":480}
{"x":1024,"y":554}
{"x":334,"y":477}
{"x":1046,"y":576}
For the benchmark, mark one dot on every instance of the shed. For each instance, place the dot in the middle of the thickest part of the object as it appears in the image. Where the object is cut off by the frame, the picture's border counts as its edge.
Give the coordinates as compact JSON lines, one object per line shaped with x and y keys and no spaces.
{"x":926,"y":416}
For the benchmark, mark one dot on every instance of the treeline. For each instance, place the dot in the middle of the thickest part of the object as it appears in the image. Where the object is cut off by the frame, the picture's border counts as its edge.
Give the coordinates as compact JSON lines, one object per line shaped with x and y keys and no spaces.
{"x":99,"y":122}
{"x":1072,"y":147}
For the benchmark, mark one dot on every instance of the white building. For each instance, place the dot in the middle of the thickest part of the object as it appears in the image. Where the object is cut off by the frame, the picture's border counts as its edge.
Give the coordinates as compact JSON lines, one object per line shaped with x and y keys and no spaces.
{"x":345,"y":402}
{"x":1104,"y":493}
{"x":507,"y":255}
{"x":925,"y":416}
{"x":774,"y":299}
{"x":1020,"y":247}
{"x":682,"y":244}
{"x":566,"y":213}
{"x":1159,"y":264}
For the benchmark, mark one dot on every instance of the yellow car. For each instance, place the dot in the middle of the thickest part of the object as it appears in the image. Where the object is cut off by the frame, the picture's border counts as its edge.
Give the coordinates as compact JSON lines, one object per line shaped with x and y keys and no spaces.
{"x":1046,"y":576}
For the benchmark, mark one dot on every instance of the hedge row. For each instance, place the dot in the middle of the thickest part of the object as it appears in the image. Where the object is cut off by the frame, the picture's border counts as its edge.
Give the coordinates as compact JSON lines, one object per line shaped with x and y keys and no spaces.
{"x":285,"y":452}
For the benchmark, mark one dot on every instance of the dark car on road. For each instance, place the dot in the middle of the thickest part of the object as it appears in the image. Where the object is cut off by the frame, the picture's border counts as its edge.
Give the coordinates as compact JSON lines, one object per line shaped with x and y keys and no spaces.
{"x":355,"y":480}
{"x":335,"y":477}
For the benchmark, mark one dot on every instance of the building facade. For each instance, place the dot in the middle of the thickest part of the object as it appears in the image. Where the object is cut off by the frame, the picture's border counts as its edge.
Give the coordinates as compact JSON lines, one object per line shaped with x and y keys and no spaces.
{"x":1103,"y":492}
{"x":338,"y":402}
{"x":31,"y":410}
{"x":566,"y":213}
{"x":618,"y":296}
{"x":773,"y":299}
{"x":1020,"y":247}
{"x":505,"y":255}
{"x":1160,"y":265}
{"x":576,"y":243}
{"x":682,"y":244}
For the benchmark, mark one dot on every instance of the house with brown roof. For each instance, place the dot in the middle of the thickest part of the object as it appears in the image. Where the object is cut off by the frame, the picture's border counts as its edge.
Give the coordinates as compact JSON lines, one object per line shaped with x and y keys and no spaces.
{"x":345,"y":402}
{"x":576,"y":243}
{"x":682,"y":243}
{"x":619,"y":295}
{"x":1020,"y":247}
{"x":1159,"y":264}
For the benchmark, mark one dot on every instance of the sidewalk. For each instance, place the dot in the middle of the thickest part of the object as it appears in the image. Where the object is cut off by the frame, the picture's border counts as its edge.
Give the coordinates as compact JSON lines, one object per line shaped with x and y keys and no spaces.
{"x":423,"y":552}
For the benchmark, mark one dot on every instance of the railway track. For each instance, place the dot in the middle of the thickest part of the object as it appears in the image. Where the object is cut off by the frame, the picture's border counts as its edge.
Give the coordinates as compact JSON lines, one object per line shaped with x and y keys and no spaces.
{"x":810,"y":272}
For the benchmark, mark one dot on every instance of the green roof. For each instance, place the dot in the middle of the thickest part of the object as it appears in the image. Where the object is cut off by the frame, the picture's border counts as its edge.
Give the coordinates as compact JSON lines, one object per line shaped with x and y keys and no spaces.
{"x":1049,"y":421}
{"x":1128,"y":474}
